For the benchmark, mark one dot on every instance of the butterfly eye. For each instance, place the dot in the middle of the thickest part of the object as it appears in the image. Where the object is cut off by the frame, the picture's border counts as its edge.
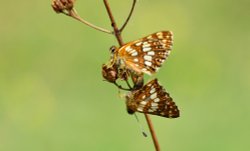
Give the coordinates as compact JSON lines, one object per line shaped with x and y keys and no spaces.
{"x":112,"y":49}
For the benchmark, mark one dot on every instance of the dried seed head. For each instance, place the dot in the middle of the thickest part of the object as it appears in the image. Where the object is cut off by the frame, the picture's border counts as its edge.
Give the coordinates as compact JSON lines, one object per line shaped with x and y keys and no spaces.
{"x":62,"y":5}
{"x":109,"y":73}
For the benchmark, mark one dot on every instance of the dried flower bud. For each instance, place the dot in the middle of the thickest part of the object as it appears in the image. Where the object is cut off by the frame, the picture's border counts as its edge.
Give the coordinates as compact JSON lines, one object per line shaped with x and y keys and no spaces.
{"x":109,"y":73}
{"x":62,"y":5}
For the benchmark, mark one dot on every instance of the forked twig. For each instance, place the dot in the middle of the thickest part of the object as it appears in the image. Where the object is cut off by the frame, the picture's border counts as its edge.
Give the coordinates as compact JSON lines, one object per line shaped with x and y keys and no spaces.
{"x":120,"y":87}
{"x":66,"y":7}
{"x":129,"y":16}
{"x":128,"y":85}
{"x":117,"y":33}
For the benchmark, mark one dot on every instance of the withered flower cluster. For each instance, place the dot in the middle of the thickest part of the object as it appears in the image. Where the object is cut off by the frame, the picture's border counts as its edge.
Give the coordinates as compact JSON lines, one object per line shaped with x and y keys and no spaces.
{"x":60,"y":6}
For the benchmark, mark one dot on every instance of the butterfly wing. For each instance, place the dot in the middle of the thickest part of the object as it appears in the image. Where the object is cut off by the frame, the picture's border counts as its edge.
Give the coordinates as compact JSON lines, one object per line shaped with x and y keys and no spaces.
{"x":152,"y":99}
{"x":147,"y":54}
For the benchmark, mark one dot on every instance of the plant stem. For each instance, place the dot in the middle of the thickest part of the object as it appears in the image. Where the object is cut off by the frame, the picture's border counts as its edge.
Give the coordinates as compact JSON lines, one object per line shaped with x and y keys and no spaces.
{"x":129,"y":16}
{"x":120,"y":87}
{"x":151,"y":128}
{"x":74,"y":15}
{"x":113,"y":24}
{"x":117,"y":33}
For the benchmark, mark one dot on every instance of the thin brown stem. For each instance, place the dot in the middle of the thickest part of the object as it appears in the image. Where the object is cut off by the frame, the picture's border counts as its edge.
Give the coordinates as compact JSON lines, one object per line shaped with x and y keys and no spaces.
{"x":113,"y":24}
{"x":74,"y":15}
{"x":120,"y":87}
{"x":151,"y":128}
{"x":129,"y":16}
{"x":128,"y":84}
{"x":117,"y":33}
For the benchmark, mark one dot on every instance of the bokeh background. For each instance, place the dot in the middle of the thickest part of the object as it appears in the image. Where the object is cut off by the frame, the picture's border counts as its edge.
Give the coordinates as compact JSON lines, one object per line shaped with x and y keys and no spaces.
{"x":53,"y":97}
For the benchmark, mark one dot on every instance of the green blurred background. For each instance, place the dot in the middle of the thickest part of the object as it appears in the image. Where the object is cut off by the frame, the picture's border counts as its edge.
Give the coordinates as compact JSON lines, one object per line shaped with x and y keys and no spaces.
{"x":53,"y":98}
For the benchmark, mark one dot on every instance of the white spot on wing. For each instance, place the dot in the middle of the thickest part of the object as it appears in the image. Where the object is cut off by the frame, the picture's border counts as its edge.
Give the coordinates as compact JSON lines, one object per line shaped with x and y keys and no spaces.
{"x":136,"y":60}
{"x":145,"y":45}
{"x":128,"y":49}
{"x":153,"y":96}
{"x":152,"y":91}
{"x":154,"y":104}
{"x":143,"y":103}
{"x":148,"y":63}
{"x":151,"y":53}
{"x":149,"y":37}
{"x":164,"y":40}
{"x":149,"y":58}
{"x":163,"y":46}
{"x":146,"y":49}
{"x":146,"y":71}
{"x":134,"y":54}
{"x":140,"y":109}
{"x":132,"y":51}
{"x":154,"y":108}
{"x":150,"y":110}
{"x":159,"y":33}
{"x":156,"y":100}
{"x":138,"y":44}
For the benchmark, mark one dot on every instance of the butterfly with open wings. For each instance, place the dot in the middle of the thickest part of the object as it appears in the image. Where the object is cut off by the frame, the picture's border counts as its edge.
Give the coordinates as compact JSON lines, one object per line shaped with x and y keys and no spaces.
{"x":145,"y":55}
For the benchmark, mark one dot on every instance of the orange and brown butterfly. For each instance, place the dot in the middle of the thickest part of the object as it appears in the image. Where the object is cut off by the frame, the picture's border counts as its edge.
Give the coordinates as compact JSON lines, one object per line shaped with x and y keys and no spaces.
{"x":145,"y":55}
{"x":152,"y":98}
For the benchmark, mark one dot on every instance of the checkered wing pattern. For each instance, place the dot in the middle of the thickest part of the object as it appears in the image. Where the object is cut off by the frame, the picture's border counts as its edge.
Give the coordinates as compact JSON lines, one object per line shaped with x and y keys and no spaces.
{"x":152,"y":99}
{"x":147,"y":54}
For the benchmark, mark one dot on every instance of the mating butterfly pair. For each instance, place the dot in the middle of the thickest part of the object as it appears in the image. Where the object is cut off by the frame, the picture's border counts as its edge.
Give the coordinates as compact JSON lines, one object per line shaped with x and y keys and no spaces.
{"x":145,"y":55}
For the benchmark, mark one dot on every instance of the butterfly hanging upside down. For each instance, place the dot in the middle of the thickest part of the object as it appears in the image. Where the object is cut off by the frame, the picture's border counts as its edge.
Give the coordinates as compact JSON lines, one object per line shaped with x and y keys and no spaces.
{"x":145,"y":55}
{"x":152,"y":99}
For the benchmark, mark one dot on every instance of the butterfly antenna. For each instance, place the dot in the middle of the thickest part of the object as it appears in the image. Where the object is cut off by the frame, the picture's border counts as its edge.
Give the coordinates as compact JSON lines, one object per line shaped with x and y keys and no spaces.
{"x":143,"y":131}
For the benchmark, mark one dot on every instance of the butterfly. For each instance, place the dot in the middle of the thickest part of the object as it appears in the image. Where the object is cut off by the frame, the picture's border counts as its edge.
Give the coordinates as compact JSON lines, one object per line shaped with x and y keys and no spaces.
{"x":145,"y":55}
{"x":152,"y":98}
